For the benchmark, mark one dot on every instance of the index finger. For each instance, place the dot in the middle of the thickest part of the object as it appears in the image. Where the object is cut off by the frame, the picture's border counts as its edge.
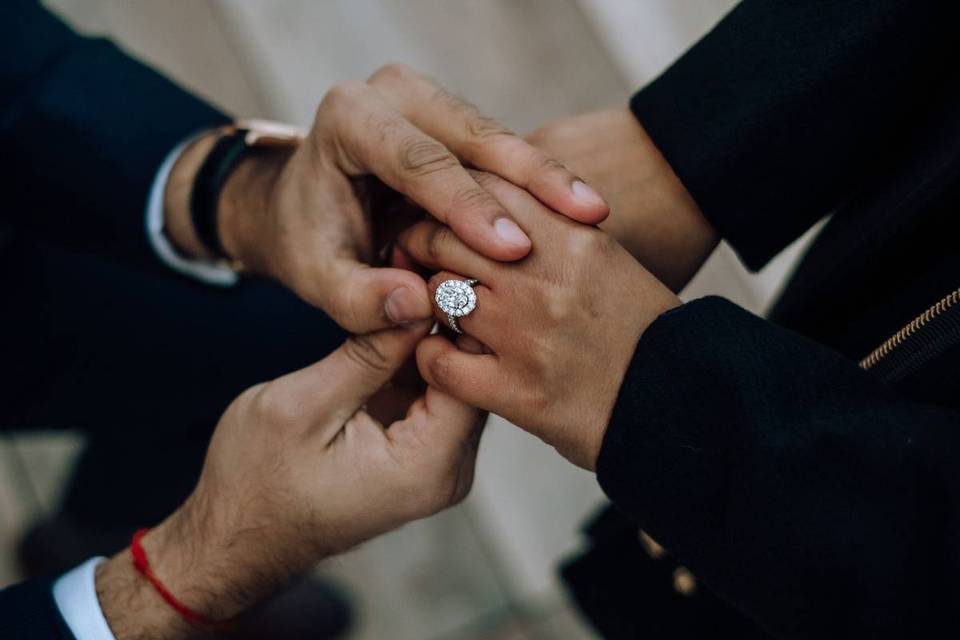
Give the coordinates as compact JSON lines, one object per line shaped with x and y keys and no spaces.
{"x":370,"y":137}
{"x":487,"y":144}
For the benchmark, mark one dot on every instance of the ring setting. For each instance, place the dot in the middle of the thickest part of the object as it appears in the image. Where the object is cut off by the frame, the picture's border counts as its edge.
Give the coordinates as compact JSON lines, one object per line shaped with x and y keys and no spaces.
{"x":456,"y":298}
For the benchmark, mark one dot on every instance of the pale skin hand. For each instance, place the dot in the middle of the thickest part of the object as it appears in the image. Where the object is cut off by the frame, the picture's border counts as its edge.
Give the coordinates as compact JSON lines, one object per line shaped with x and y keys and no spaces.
{"x":651,"y":213}
{"x":296,"y":215}
{"x":551,"y":337}
{"x":297,"y":471}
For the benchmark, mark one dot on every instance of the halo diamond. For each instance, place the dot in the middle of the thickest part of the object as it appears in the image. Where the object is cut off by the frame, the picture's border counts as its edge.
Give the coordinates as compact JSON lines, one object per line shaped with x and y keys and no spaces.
{"x":456,"y":298}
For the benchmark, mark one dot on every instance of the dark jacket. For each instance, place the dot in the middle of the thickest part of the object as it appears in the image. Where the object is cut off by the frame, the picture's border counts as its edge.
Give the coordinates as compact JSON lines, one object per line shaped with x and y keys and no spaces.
{"x":817,"y":498}
{"x":28,"y":611}
{"x":83,"y":129}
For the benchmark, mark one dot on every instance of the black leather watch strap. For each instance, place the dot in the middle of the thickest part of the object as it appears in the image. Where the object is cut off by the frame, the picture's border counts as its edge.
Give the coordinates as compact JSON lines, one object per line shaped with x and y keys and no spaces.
{"x":208,"y":184}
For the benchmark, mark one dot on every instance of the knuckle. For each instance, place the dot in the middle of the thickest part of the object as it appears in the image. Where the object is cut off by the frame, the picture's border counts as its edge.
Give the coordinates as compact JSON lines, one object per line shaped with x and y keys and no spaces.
{"x":485,"y":179}
{"x":584,"y":243}
{"x":366,"y":353}
{"x":470,"y":199}
{"x":556,"y":310}
{"x":483,"y":128}
{"x":549,"y":163}
{"x":453,"y":102}
{"x":438,"y":239}
{"x":272,"y":404}
{"x":341,"y":96}
{"x":422,"y":157}
{"x":540,"y":137}
{"x":342,"y":307}
{"x":392,"y":71}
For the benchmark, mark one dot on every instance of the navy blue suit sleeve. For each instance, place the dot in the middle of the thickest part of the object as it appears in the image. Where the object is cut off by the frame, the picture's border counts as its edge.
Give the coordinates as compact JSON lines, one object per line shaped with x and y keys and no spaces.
{"x":29,"y":612}
{"x":83,"y":130}
{"x":795,"y":485}
{"x":777,"y":116}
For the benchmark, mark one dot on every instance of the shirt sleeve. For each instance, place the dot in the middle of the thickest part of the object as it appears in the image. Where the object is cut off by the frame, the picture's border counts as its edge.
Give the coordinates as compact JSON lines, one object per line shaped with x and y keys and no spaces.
{"x":75,"y":594}
{"x":780,"y":113}
{"x":207,"y":271}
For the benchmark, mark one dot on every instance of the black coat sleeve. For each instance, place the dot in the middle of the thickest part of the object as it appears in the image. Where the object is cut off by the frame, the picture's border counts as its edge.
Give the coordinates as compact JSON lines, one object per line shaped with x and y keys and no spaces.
{"x":83,"y":130}
{"x":777,"y":115}
{"x":792,"y":483}
{"x":29,"y":612}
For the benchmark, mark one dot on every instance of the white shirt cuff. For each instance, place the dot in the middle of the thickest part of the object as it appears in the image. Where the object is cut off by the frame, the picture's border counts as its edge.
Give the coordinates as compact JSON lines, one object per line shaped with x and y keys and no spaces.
{"x":75,"y":593}
{"x":207,"y":271}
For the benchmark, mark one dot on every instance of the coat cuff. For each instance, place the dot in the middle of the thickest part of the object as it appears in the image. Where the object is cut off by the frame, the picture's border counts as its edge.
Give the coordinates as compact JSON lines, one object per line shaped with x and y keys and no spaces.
{"x":659,"y":450}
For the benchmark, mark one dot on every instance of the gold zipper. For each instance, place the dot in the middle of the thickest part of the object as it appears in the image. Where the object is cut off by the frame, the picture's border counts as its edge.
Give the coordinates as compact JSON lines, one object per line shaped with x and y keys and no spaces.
{"x":912,"y":327}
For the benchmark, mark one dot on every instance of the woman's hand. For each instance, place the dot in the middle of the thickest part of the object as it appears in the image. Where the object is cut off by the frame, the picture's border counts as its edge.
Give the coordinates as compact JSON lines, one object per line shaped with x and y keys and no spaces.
{"x":651,"y":212}
{"x":552,"y":335}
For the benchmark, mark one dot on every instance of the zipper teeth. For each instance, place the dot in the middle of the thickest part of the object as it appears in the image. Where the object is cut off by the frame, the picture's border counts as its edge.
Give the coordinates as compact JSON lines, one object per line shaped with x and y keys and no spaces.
{"x":915,"y":325}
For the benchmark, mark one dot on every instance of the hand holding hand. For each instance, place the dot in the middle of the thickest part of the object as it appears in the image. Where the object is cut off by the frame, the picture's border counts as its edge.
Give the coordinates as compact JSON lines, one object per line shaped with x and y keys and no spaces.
{"x":297,"y":215}
{"x":297,"y":471}
{"x":556,"y":331}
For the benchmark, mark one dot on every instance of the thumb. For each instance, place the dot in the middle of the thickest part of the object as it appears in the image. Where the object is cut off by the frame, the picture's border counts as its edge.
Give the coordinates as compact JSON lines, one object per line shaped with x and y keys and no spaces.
{"x":365,"y":298}
{"x":343,"y":381}
{"x":447,"y":424}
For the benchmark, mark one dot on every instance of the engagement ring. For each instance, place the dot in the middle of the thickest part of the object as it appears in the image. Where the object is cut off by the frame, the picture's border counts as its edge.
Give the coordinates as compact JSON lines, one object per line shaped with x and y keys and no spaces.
{"x":456,"y":298}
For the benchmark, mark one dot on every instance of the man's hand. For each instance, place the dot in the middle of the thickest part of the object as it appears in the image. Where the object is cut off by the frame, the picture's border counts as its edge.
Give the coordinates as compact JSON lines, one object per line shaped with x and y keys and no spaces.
{"x":652,"y":214}
{"x":551,"y":337}
{"x":297,"y":470}
{"x":297,"y":215}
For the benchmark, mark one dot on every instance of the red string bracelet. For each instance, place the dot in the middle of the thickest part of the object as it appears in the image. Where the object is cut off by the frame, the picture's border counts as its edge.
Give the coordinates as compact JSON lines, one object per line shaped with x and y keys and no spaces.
{"x":142,"y":564}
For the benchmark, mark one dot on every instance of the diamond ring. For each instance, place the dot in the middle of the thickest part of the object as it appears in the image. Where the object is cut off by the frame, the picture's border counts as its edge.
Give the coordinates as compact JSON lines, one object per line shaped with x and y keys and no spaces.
{"x":456,"y":298}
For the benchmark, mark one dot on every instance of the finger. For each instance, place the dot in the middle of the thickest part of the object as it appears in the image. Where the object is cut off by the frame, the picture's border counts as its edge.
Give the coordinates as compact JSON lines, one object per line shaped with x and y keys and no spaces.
{"x":487,"y":144}
{"x":436,"y":247}
{"x":471,"y":345}
{"x":445,"y":433}
{"x":480,"y":323}
{"x":342,"y":382}
{"x":524,"y":207}
{"x":368,"y":136}
{"x":446,"y":419}
{"x":470,"y":378}
{"x":362,"y":298}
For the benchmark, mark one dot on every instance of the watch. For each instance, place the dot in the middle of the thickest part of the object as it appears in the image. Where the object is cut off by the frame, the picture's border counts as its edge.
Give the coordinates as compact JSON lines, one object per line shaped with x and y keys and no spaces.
{"x":234,"y":144}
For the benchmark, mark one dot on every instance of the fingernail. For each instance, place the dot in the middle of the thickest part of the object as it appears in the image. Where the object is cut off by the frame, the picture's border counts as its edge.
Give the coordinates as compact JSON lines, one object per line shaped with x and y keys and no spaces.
{"x":403,"y":305}
{"x":509,"y":232}
{"x":585,"y":193}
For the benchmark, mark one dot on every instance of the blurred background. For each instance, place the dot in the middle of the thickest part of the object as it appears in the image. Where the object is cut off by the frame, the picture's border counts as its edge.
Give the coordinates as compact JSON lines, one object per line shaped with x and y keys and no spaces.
{"x":487,"y":568}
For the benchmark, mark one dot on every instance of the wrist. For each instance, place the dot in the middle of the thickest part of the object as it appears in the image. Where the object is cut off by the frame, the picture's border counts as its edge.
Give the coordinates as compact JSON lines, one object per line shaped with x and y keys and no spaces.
{"x":657,"y":300}
{"x":196,"y":562}
{"x":131,"y":606}
{"x":657,"y":221}
{"x":244,"y":205}
{"x":241,"y":206}
{"x":652,"y":214}
{"x":177,"y":218}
